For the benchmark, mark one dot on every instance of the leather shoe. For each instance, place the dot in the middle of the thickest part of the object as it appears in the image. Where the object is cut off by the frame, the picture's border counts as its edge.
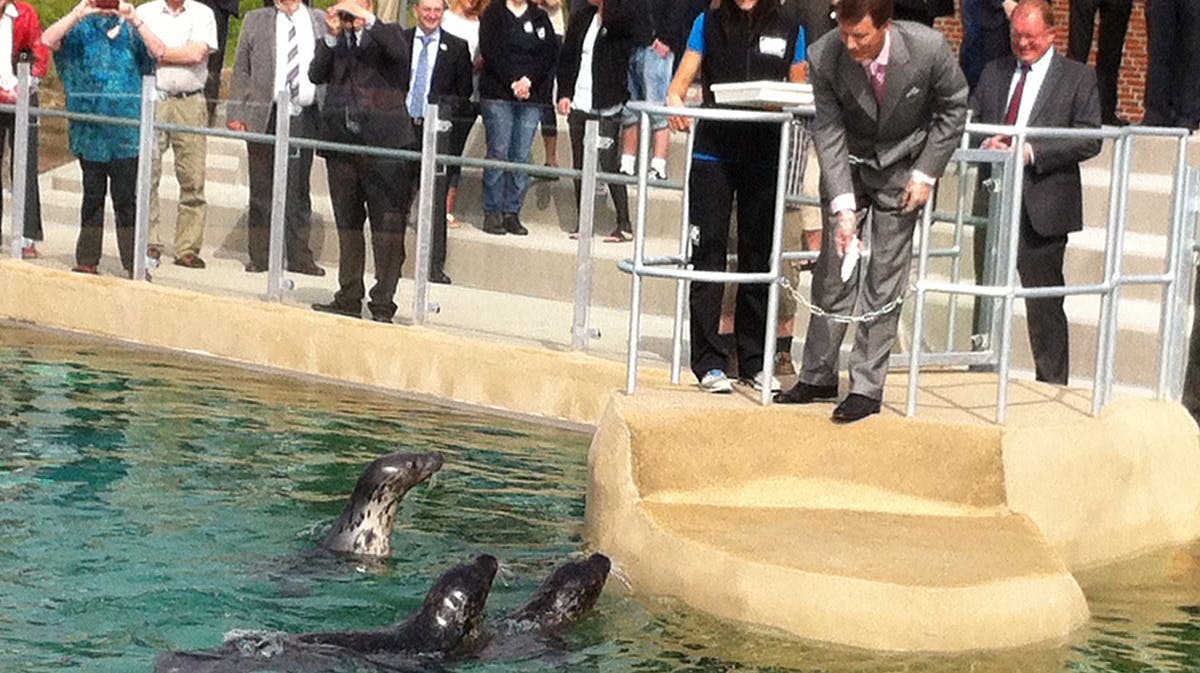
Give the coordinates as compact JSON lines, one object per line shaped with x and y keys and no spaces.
{"x":381,"y":317}
{"x":309,"y":269}
{"x":806,"y":393}
{"x":492,"y":224}
{"x":512,"y":224}
{"x":190,"y":260}
{"x":1114,"y":120}
{"x":251,"y":267}
{"x":339,"y":309}
{"x":855,"y":407}
{"x":439,"y":277}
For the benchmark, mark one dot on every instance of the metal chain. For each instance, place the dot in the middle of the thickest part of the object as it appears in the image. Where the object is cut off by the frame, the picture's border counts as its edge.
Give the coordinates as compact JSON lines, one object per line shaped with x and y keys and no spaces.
{"x":869,"y":316}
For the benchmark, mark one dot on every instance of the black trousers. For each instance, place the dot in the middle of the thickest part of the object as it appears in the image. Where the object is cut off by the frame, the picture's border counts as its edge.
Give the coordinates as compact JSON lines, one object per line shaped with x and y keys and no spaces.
{"x":297,"y":211}
{"x":33,"y":201}
{"x":216,"y":61}
{"x":462,"y":122}
{"x":441,"y":185}
{"x":1173,"y":75}
{"x":1114,"y":21}
{"x":362,"y":187}
{"x":713,"y":188}
{"x":1040,"y":264}
{"x":98,"y":176}
{"x":1191,"y":379}
{"x":610,"y":127}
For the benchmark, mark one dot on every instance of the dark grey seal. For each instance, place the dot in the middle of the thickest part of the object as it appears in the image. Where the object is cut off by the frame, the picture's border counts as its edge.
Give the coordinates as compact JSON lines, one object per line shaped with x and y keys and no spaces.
{"x":365,"y":526}
{"x":449,"y":615}
{"x":562,"y":600}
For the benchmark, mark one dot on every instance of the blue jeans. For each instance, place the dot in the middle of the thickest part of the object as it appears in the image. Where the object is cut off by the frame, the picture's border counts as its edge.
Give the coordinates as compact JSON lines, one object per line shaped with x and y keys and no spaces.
{"x":649,"y":78}
{"x":510,"y":128}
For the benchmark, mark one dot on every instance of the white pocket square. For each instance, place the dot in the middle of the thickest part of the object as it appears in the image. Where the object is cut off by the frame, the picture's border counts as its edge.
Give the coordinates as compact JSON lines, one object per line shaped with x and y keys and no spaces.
{"x":912,"y":92}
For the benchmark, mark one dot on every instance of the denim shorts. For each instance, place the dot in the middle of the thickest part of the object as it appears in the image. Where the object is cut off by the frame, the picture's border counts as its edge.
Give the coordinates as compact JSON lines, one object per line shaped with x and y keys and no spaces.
{"x":649,"y":78}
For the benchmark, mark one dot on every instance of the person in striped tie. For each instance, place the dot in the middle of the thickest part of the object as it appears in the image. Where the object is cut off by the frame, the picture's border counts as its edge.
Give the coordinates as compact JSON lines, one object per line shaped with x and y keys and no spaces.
{"x":274,"y":52}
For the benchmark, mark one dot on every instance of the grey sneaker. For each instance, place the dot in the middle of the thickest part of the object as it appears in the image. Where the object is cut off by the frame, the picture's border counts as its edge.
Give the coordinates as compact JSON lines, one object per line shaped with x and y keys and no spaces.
{"x":715,"y":381}
{"x":757,"y":382}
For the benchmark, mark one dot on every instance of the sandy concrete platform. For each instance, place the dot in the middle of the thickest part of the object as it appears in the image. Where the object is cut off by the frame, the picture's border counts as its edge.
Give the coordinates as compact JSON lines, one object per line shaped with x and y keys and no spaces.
{"x":940,"y":533}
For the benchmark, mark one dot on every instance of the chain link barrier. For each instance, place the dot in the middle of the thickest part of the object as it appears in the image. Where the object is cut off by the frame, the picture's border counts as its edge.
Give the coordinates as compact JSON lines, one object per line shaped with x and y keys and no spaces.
{"x":869,"y":316}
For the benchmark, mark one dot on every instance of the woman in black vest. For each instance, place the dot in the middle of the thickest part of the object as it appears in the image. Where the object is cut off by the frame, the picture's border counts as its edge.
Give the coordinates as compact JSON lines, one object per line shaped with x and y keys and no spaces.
{"x":734,"y":41}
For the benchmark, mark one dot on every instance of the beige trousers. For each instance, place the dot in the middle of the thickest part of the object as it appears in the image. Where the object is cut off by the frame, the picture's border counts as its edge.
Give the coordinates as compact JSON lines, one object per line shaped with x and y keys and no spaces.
{"x":190,"y":164}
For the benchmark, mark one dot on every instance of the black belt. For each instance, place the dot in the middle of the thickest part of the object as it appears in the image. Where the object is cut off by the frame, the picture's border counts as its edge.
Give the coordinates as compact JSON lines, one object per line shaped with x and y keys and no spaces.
{"x":183,"y":94}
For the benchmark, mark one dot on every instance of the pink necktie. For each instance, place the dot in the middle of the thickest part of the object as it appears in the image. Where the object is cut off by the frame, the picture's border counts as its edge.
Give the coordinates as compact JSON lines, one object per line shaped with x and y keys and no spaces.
{"x":877,"y":74}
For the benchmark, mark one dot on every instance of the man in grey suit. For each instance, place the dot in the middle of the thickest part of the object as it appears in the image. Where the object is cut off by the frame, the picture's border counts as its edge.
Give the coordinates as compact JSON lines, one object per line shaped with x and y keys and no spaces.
{"x":891,"y":104}
{"x":1054,"y":91}
{"x":274,"y":52}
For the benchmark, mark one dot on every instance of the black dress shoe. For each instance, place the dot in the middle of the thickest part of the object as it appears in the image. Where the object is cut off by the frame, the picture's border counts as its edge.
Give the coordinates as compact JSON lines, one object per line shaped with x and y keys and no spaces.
{"x":492,"y":224}
{"x":309,"y":269}
{"x":381,"y":317}
{"x":1114,"y":120}
{"x":806,"y":393}
{"x":439,"y":277}
{"x":855,"y":407}
{"x":251,"y":267}
{"x":512,"y":224}
{"x":339,"y":309}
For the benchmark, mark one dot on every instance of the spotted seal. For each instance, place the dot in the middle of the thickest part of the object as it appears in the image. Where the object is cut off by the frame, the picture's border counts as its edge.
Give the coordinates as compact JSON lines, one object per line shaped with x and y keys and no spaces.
{"x":449,"y":615}
{"x":365,"y":525}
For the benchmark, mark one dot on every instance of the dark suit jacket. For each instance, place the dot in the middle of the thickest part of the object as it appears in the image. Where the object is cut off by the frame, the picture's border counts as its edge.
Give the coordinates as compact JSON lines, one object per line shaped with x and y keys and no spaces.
{"x":251,"y":88}
{"x":918,"y":126}
{"x":610,"y":55}
{"x":451,"y":85}
{"x":1053,"y":196}
{"x":365,"y":87}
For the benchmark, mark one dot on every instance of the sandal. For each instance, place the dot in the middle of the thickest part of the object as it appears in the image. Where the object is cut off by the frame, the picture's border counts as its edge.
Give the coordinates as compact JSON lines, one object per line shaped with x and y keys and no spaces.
{"x":619,"y":236}
{"x":453,"y":222}
{"x":574,"y":235}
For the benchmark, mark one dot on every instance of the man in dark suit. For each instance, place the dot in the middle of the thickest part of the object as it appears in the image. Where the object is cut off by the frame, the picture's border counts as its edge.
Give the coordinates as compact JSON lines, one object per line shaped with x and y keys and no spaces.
{"x":259,"y":70}
{"x":364,"y":64}
{"x":446,"y":81}
{"x":1114,"y":21}
{"x":222,"y":10}
{"x":1053,"y":92}
{"x":1173,"y":74}
{"x":891,"y":104}
{"x":985,"y":35}
{"x":922,"y":11}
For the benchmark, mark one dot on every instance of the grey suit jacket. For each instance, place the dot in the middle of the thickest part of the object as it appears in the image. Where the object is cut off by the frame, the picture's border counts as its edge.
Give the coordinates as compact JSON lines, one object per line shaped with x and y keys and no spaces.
{"x":1053,"y":193}
{"x":862,"y":146}
{"x":251,"y":91}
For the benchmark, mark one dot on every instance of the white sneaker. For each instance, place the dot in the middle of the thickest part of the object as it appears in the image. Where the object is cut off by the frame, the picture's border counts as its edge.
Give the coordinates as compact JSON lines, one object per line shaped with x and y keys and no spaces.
{"x":628,"y":164}
{"x":658,"y":169}
{"x":757,"y":382}
{"x":715,"y":381}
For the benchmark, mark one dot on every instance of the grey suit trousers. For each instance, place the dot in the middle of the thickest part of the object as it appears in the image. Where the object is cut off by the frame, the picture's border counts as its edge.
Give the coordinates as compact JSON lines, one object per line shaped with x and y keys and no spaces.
{"x":888,"y":237}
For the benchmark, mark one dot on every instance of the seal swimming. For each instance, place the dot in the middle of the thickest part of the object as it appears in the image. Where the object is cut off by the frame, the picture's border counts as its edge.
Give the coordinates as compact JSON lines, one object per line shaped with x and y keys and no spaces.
{"x":449,"y":615}
{"x":365,"y":525}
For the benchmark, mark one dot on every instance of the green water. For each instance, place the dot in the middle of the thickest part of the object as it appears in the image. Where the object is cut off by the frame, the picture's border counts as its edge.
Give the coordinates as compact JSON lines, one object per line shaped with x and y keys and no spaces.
{"x":152,"y":502}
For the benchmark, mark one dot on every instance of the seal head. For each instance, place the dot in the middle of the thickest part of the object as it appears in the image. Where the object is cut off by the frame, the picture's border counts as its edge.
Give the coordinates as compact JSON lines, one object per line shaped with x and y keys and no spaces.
{"x":564,"y":598}
{"x":365,"y":525}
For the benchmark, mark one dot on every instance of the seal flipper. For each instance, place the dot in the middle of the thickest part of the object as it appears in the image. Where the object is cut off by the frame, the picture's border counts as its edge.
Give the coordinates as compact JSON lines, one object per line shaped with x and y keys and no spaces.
{"x":365,"y":525}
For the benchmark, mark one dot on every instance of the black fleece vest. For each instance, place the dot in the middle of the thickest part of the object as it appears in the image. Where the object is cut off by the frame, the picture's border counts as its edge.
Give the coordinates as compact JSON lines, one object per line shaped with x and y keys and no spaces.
{"x":742,"y":46}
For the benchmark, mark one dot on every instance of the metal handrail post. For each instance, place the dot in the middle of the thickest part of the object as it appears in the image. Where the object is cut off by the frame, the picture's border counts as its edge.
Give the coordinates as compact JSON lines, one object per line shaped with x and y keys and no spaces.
{"x":146,"y":150}
{"x":1016,"y":178}
{"x":639,"y":256}
{"x":1183,"y":209}
{"x":685,"y":253}
{"x":584,"y":261}
{"x":960,"y":199}
{"x":1122,"y":213}
{"x":914,"y":356}
{"x":425,"y":194}
{"x":20,"y":157}
{"x":283,"y":134}
{"x":772,"y":317}
{"x":1112,"y":245}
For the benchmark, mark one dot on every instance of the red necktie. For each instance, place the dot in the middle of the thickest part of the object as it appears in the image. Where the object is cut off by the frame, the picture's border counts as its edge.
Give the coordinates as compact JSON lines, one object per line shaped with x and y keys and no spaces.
{"x":1014,"y":104}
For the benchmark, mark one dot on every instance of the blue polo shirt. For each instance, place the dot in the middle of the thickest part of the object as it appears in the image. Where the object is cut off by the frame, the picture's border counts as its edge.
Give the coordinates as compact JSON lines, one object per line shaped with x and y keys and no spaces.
{"x":103,"y":75}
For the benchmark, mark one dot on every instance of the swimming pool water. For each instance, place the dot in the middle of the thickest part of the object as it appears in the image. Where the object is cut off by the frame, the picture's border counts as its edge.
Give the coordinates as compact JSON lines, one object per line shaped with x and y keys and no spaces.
{"x":153,"y":501}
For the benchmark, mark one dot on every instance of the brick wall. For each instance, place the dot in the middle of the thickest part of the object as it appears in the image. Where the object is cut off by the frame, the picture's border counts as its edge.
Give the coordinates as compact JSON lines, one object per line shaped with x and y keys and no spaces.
{"x":1132,"y":81}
